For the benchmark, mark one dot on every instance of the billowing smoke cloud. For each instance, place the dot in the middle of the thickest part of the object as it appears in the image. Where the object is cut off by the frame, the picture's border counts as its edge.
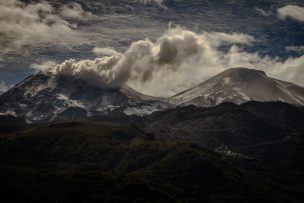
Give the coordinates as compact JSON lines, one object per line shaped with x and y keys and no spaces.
{"x":44,"y":66}
{"x":178,"y":60}
{"x":174,"y":52}
{"x":292,"y":11}
{"x":101,"y":71}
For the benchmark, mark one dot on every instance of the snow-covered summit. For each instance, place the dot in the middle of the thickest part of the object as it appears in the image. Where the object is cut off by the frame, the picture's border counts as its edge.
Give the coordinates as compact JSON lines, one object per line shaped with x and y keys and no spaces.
{"x":239,"y":85}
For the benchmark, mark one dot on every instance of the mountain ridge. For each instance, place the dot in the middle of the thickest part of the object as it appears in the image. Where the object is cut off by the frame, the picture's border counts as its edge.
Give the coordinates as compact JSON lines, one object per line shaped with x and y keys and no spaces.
{"x":45,"y":97}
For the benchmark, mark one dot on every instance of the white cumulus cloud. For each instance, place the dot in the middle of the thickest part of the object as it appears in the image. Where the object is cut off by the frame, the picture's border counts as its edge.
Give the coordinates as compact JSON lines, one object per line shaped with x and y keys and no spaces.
{"x":36,"y":25}
{"x":104,"y":51}
{"x":291,"y":11}
{"x":296,"y":49}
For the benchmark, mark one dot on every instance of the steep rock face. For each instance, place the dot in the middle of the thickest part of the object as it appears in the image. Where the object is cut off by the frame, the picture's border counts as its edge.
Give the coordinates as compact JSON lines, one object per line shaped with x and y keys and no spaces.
{"x":44,"y":97}
{"x":239,"y":85}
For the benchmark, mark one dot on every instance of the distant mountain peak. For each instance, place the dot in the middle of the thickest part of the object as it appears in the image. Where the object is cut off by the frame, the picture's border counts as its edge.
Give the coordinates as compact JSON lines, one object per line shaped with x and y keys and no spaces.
{"x":242,"y":72}
{"x":243,"y":69}
{"x":239,"y":85}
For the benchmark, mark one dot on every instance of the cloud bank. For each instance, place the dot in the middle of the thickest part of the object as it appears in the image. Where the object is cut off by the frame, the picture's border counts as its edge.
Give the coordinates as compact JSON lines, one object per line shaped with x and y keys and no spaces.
{"x":159,"y":2}
{"x":24,"y":25}
{"x":106,"y":51}
{"x":75,"y":11}
{"x":296,"y":49}
{"x":178,"y":60}
{"x":291,"y":11}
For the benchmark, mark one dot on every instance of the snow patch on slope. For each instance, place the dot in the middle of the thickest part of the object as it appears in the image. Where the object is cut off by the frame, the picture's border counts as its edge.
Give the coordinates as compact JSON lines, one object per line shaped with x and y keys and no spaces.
{"x":241,"y":93}
{"x":226,"y":81}
{"x":141,"y":111}
{"x":8,"y":113}
{"x":70,"y":102}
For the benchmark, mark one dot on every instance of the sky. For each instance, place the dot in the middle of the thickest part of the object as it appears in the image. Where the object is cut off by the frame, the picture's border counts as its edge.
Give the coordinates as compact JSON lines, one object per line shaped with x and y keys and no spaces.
{"x":157,"y":47}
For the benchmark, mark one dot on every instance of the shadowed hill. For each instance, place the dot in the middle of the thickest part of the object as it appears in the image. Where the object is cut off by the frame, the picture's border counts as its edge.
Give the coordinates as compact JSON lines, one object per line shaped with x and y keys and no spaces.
{"x":263,"y":138}
{"x":106,"y":162}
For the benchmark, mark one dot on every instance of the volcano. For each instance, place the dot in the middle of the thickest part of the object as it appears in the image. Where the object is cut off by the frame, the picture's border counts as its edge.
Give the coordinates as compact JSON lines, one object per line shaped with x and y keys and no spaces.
{"x":239,"y":85}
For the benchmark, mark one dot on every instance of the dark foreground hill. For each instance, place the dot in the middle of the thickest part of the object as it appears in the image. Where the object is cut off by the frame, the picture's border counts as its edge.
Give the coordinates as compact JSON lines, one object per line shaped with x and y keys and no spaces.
{"x":228,"y":153}
{"x":106,"y":162}
{"x":10,"y":123}
{"x":264,"y":138}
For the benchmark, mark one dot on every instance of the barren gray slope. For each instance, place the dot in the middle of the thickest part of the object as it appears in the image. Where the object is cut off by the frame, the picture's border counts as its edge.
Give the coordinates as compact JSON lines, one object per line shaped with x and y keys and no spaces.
{"x":239,"y":85}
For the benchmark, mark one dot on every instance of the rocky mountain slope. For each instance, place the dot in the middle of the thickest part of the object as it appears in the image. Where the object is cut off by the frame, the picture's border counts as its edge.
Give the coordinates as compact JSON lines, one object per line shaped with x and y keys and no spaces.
{"x":45,"y":98}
